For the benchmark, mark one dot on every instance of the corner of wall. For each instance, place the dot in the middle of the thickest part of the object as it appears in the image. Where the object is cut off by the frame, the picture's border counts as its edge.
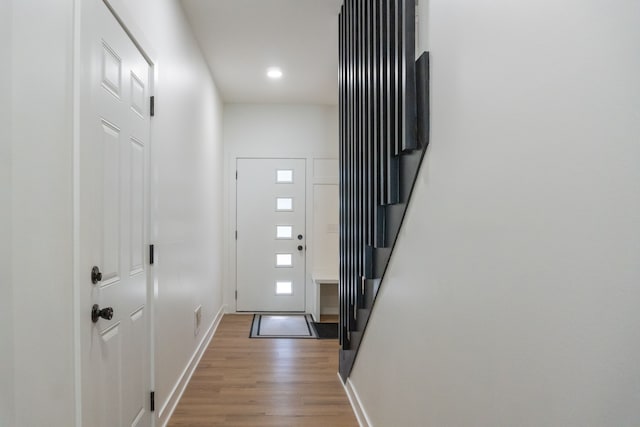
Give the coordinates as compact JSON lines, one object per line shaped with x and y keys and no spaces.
{"x":42,"y":210}
{"x":6,"y":285}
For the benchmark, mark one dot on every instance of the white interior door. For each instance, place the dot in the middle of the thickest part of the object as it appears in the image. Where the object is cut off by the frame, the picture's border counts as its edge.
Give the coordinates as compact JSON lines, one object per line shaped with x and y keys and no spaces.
{"x":114,"y":146}
{"x":270,"y":247}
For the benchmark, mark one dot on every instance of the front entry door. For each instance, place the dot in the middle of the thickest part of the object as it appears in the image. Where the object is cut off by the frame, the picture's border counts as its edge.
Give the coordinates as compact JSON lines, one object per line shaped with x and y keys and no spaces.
{"x":270,"y":249}
{"x":114,"y":147}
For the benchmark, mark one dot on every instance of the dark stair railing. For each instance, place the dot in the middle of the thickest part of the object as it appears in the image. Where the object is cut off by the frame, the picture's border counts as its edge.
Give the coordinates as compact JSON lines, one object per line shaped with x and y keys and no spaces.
{"x":384,"y":130}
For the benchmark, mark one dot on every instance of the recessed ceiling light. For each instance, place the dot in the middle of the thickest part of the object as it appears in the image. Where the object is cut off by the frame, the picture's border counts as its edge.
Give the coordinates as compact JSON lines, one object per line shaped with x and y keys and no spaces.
{"x":274,"y":73}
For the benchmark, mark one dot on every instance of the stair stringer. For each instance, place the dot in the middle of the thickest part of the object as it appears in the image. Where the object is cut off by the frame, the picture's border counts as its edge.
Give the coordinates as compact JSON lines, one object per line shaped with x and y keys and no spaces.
{"x":410,"y":162}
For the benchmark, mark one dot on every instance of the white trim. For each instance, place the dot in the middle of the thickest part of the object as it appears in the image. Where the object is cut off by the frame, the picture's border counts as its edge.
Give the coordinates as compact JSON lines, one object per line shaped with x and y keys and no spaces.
{"x":77,"y":318}
{"x":356,"y":403}
{"x":165,"y":412}
{"x":319,"y":280}
{"x":119,"y":9}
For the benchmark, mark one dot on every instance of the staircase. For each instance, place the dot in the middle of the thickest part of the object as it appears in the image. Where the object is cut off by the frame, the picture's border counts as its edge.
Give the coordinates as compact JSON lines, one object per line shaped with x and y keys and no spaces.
{"x":384,"y":130}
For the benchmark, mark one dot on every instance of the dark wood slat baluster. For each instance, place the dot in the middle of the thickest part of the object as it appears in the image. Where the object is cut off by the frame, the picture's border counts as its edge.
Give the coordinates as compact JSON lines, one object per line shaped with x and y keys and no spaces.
{"x":408,"y":81}
{"x":379,"y":149}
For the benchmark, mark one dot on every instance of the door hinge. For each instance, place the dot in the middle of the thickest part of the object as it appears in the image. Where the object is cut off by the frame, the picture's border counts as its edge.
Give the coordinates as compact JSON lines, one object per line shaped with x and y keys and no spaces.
{"x":236,"y":234}
{"x":236,"y":174}
{"x":151,"y":255}
{"x":236,"y":295}
{"x":152,"y":106}
{"x":152,"y":401}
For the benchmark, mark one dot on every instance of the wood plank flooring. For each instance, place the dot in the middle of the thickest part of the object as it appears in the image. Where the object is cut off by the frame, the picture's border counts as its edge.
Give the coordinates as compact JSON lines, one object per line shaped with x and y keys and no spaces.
{"x":331,"y":318}
{"x":243,"y":382}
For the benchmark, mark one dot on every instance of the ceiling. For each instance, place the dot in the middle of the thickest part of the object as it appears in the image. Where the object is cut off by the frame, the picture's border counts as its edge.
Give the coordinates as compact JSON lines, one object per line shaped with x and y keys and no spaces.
{"x":240,"y":39}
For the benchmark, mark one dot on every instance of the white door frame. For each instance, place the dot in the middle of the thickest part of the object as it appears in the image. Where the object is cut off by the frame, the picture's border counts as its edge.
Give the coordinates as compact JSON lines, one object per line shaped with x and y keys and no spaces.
{"x":120,"y":12}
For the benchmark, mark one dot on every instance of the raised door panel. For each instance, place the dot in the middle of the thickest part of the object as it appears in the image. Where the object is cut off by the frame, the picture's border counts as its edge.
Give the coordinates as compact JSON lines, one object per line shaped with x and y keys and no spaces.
{"x":135,"y":353}
{"x":110,"y":376}
{"x":110,"y":221}
{"x":136,"y":207}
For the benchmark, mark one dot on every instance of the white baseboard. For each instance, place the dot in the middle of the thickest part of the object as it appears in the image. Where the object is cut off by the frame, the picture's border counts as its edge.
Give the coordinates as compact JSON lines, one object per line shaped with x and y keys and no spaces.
{"x":164,"y":415}
{"x":356,"y":403}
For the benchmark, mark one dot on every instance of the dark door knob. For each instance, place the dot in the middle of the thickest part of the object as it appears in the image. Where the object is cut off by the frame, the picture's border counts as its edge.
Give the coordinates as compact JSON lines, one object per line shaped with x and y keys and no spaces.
{"x":96,"y":275}
{"x":299,"y":236}
{"x":97,"y":313}
{"x":299,"y":247}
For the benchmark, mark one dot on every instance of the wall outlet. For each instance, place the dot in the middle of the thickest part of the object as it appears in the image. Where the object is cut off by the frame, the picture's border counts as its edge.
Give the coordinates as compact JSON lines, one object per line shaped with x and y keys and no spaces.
{"x":197,"y":318}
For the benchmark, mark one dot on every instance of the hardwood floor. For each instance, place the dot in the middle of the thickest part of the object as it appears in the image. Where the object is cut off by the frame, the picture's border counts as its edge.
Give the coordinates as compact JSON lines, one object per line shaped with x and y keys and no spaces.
{"x":331,"y":318}
{"x":244,"y":382}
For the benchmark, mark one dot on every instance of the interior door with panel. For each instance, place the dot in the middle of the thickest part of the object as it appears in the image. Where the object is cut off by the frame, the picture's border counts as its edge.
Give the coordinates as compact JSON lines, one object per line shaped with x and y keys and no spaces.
{"x":113,"y":211}
{"x":270,"y":242}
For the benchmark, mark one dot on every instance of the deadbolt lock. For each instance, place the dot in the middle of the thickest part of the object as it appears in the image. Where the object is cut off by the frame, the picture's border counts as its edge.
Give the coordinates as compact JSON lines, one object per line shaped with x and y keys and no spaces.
{"x":96,"y":275}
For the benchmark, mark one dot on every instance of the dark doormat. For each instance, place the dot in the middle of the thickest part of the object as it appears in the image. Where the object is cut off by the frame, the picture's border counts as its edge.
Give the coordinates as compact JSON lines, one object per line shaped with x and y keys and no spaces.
{"x":326,"y":331}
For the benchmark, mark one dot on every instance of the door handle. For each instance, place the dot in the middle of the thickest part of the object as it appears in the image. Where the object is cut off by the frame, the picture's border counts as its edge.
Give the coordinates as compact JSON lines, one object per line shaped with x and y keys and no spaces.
{"x":300,"y":247}
{"x":96,"y":313}
{"x":299,"y":236}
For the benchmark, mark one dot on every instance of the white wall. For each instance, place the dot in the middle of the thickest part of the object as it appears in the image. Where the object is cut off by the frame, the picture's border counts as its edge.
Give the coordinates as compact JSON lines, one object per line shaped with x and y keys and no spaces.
{"x":42,"y":246}
{"x":187,"y":165}
{"x":512,"y":296}
{"x":6,"y":294}
{"x":288,"y":131}
{"x":326,"y":219}
{"x":326,"y":246}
